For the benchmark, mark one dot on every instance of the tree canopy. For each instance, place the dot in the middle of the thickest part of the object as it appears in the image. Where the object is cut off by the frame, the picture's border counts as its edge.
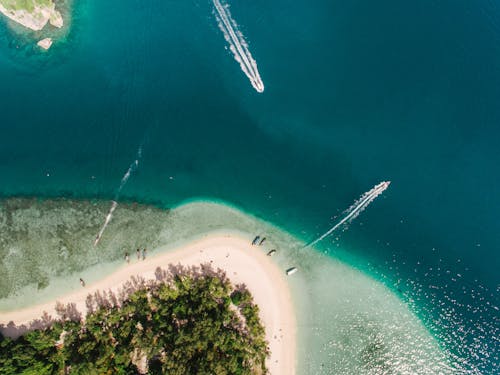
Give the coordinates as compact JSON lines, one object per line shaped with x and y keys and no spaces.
{"x":187,"y":321}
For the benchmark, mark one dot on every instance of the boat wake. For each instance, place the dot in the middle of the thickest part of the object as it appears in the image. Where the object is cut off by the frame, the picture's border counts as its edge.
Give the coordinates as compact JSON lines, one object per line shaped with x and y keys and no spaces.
{"x":133,"y":167}
{"x":352,"y":212}
{"x":106,"y":222}
{"x":130,"y":170}
{"x":237,"y":44}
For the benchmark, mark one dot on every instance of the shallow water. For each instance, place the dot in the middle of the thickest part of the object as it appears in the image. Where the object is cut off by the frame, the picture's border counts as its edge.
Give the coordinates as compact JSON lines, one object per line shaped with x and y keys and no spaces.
{"x":347,"y":322}
{"x":355,"y":94}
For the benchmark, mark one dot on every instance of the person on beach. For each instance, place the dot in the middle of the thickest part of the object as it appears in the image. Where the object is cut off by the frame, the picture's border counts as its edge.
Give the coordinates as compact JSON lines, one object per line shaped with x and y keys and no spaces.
{"x":144,"y":254}
{"x":138,"y":252}
{"x":82,"y":283}
{"x":127,"y":257}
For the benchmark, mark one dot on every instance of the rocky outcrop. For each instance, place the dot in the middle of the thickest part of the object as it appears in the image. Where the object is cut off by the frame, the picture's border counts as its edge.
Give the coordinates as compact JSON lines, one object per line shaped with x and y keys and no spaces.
{"x":35,"y":19}
{"x":45,"y":43}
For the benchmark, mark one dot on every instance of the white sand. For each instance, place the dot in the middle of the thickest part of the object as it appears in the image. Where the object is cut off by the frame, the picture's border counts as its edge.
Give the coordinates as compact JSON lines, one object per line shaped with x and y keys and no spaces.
{"x":242,"y":262}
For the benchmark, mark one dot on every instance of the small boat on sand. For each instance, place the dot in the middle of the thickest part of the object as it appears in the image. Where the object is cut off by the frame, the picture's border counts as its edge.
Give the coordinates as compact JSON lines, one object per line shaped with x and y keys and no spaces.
{"x":270,"y":253}
{"x":255,"y":240}
{"x":262,"y":241}
{"x":291,"y":271}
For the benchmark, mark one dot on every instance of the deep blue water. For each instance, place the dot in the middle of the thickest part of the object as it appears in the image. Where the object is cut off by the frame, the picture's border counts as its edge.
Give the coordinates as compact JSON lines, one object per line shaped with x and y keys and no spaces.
{"x":356,"y":92}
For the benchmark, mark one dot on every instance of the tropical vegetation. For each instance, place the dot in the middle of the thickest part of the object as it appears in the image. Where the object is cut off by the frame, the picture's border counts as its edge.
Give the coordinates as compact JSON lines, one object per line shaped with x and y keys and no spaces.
{"x":28,"y":5}
{"x":186,"y":321}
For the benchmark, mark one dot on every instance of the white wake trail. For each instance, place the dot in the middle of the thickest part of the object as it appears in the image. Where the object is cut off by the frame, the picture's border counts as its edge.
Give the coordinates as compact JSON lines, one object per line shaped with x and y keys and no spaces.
{"x":353,"y":211}
{"x":238,"y":45}
{"x":106,"y":222}
{"x":130,"y":170}
{"x":114,"y":204}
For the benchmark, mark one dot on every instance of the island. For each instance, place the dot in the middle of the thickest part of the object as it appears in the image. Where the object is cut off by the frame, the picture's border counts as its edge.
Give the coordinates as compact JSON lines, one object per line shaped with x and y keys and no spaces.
{"x":212,"y":305}
{"x":33,"y":14}
{"x":186,"y":321}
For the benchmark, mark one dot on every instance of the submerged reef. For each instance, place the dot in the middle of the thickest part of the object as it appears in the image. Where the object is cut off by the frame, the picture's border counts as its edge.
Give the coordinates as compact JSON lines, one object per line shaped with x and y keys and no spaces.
{"x":41,"y":239}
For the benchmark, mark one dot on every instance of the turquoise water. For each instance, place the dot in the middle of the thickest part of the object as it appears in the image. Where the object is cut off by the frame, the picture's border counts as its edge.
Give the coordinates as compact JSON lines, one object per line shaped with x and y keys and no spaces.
{"x":355,"y":93}
{"x":347,"y":323}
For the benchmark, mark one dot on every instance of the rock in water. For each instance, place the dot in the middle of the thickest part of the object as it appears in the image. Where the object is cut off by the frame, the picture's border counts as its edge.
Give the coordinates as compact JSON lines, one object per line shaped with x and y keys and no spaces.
{"x":56,"y":19}
{"x":45,"y":43}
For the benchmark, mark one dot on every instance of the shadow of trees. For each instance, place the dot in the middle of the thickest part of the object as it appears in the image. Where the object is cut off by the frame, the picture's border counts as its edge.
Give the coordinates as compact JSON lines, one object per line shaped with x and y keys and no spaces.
{"x":109,"y":299}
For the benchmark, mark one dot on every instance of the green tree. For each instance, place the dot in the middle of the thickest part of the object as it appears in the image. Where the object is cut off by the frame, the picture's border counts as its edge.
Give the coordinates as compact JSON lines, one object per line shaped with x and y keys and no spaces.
{"x":192,"y":322}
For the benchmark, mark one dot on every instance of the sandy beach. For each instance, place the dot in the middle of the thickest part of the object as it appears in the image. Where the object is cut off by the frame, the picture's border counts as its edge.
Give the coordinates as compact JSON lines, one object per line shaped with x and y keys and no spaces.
{"x":234,"y":254}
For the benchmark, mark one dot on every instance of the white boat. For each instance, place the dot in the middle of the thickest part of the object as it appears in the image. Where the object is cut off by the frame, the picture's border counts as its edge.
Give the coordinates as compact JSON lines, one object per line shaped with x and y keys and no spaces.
{"x":291,"y":271}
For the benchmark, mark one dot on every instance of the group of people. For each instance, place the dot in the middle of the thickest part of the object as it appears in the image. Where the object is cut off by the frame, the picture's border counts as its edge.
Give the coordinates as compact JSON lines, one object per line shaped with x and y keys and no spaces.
{"x":138,"y":253}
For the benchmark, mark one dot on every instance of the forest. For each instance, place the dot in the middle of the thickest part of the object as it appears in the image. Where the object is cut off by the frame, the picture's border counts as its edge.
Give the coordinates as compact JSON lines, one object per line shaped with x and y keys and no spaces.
{"x":185,"y":321}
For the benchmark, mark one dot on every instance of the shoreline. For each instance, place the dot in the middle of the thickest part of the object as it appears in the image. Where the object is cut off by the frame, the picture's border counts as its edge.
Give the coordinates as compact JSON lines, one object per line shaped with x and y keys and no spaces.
{"x":37,"y":18}
{"x":337,"y":300}
{"x":234,"y":254}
